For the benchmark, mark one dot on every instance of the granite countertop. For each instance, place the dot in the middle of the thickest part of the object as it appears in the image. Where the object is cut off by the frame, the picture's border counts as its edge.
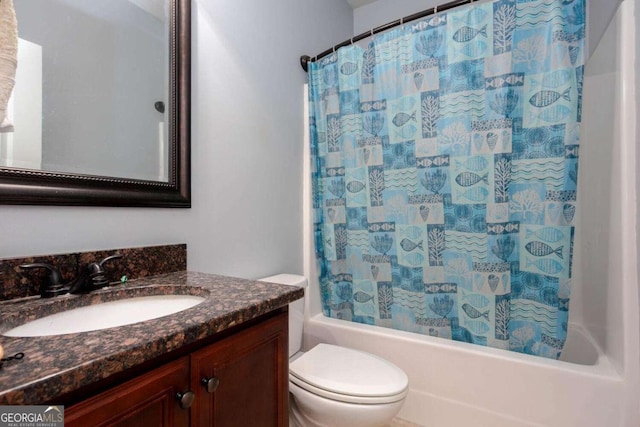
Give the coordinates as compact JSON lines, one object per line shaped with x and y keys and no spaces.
{"x":56,"y":365}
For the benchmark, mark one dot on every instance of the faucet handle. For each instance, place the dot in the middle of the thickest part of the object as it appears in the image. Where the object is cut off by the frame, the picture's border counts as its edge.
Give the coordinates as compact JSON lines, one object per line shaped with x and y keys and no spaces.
{"x":54,"y":286}
{"x":97,"y":272}
{"x":109,"y":258}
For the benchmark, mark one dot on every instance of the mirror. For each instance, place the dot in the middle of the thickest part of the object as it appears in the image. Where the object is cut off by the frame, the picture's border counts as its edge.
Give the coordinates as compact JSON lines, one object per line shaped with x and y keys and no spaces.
{"x":99,"y":114}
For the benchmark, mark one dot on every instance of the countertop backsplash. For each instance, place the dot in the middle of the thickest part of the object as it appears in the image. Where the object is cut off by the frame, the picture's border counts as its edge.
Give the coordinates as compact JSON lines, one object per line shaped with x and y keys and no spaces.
{"x":134,"y":264}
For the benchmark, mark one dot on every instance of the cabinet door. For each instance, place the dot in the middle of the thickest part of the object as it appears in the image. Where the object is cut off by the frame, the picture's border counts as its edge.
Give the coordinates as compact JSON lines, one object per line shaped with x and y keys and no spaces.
{"x":249,"y":374}
{"x":147,"y":400}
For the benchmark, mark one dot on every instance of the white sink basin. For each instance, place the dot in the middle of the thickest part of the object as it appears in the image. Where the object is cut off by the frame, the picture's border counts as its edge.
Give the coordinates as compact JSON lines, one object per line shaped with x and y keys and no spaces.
{"x":105,"y":315}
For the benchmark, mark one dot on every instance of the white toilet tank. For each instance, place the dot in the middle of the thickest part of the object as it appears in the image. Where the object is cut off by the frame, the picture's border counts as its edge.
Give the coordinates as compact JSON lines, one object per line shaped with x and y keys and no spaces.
{"x":296,"y":308}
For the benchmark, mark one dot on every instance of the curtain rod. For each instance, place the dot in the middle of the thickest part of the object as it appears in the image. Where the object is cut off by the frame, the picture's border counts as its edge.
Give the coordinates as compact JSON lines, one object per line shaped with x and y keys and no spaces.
{"x":305,"y":59}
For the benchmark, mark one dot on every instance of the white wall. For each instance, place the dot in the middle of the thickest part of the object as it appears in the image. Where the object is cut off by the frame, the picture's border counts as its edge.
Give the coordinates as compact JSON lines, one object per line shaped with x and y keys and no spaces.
{"x":602,"y":77}
{"x":607,"y":195}
{"x":637,"y":66}
{"x":246,"y":149}
{"x":626,"y":293}
{"x":609,"y":202}
{"x":248,"y":99}
{"x":600,"y":13}
{"x":637,"y":95}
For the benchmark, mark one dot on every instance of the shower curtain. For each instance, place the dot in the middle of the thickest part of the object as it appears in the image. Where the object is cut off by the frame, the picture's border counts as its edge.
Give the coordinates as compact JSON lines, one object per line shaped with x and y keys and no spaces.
{"x":445,"y":160}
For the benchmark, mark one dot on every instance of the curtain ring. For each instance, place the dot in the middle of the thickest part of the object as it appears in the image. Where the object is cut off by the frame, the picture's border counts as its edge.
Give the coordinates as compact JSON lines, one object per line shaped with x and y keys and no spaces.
{"x":351,"y":40}
{"x":371,"y":32}
{"x":334,"y":49}
{"x":435,"y":9}
{"x":402,"y":21}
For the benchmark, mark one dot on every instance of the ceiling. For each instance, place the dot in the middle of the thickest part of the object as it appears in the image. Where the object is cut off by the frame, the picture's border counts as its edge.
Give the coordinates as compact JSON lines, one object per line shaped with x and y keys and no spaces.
{"x":357,"y":3}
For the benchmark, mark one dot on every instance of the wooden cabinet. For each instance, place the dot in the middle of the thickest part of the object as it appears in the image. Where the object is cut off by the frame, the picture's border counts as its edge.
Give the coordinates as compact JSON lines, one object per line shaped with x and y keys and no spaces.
{"x":249,"y":370}
{"x":241,"y":380}
{"x":148,"y":400}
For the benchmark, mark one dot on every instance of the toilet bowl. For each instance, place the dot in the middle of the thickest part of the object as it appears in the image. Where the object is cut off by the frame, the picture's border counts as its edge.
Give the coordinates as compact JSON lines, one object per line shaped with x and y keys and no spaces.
{"x":341,"y":387}
{"x":334,"y":386}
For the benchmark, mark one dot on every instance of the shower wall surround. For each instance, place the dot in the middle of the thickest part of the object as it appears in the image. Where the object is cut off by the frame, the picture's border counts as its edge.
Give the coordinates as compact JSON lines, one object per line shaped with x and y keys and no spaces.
{"x":135,"y":263}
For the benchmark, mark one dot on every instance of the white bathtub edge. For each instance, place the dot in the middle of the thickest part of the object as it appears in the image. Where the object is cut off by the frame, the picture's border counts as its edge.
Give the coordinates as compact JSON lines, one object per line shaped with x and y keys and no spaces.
{"x":602,"y":368}
{"x":453,"y":413}
{"x":482,"y":383}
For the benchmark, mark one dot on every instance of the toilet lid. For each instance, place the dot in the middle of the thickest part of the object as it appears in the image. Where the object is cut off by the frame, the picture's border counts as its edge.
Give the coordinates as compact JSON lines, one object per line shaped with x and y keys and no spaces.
{"x":348,"y":372}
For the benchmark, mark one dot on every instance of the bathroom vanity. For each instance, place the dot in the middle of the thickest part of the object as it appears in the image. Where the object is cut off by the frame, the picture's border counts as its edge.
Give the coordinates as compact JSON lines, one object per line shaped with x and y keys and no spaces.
{"x":223,"y":362}
{"x":239,"y":380}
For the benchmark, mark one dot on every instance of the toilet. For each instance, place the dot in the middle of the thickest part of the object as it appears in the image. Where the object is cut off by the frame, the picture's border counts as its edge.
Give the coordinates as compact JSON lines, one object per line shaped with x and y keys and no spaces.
{"x":336,"y":386}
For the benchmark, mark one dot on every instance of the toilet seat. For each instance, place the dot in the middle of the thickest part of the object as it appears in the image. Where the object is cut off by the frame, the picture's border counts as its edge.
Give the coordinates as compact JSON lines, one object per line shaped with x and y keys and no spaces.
{"x":348,"y":375}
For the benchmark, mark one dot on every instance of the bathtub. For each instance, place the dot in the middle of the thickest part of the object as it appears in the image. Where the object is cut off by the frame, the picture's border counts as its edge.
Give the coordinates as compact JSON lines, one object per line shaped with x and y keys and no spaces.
{"x":459,"y":384}
{"x":596,"y":383}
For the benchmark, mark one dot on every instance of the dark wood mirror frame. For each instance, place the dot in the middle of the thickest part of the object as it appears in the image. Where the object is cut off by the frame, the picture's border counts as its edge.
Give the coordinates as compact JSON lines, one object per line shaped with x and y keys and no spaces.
{"x":34,"y":187}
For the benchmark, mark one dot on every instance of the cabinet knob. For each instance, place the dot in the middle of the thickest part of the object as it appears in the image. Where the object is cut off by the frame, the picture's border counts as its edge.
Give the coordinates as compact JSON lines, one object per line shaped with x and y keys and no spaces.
{"x":211,"y":384}
{"x":186,"y":399}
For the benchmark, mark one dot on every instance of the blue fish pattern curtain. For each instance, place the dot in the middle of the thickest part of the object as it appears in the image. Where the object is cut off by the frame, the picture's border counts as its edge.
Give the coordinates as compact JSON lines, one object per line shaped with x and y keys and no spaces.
{"x":444,"y":161}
